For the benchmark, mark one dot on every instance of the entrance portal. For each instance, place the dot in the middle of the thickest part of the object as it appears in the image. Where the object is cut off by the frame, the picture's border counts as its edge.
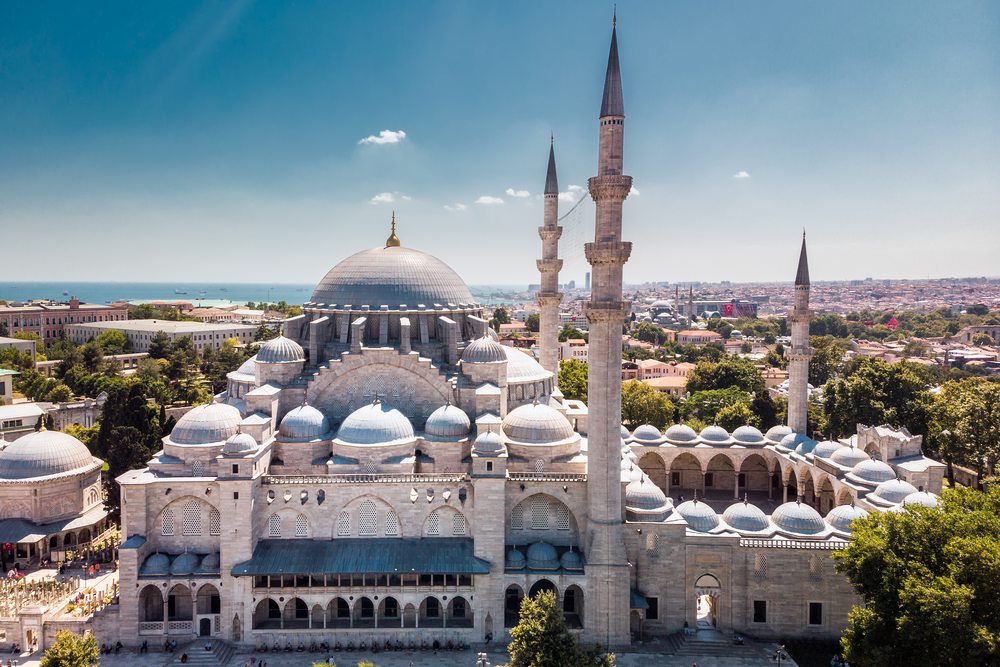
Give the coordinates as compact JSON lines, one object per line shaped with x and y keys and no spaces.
{"x":706,"y":595}
{"x":205,"y":627}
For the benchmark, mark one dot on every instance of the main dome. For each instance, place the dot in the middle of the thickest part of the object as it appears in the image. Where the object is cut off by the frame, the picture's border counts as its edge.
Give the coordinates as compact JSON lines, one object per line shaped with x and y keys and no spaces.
{"x":392,"y":276}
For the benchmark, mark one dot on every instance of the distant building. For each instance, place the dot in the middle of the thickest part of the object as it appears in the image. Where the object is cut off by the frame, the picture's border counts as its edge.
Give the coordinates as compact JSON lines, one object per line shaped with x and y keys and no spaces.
{"x":587,"y":281}
{"x":968,"y":333}
{"x":18,"y":344}
{"x":698,"y":337}
{"x":140,"y":332}
{"x":574,"y":348}
{"x":49,"y":320}
{"x":7,"y":386}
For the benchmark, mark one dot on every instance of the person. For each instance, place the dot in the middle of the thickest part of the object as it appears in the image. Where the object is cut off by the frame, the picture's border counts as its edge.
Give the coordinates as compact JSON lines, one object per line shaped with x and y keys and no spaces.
{"x":184,"y":658}
{"x":144,"y":648}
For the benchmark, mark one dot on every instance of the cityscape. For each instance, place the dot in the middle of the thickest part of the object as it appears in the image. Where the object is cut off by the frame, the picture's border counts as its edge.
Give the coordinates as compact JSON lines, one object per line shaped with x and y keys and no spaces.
{"x":547,"y":424}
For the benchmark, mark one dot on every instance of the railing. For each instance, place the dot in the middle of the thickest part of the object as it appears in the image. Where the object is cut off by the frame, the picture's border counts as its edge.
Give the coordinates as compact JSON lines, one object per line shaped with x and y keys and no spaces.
{"x":368,"y":478}
{"x":151,"y":628}
{"x":180,"y":627}
{"x":547,"y":476}
{"x":793,"y":544}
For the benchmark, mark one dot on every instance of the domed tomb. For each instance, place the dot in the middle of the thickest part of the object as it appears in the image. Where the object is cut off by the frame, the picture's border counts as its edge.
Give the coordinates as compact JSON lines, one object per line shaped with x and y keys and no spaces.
{"x":44,"y":453}
{"x":280,"y":350}
{"x":484,"y":350}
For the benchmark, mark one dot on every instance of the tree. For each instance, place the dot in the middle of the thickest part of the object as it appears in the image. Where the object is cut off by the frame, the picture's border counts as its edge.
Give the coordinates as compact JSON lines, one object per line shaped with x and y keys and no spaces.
{"x":705,"y":405}
{"x":113,"y":341}
{"x":532,"y":322}
{"x":71,"y":650}
{"x":500,"y":316}
{"x":875,"y":392}
{"x":969,"y":411}
{"x":573,"y":379}
{"x":160,"y":345}
{"x":983,"y":339}
{"x":766,"y":409}
{"x":541,"y":638}
{"x":727,"y":372}
{"x":828,"y":354}
{"x":93,"y":355}
{"x":649,"y":333}
{"x":928,"y":579}
{"x":978,"y":309}
{"x":568,"y":332}
{"x":734,"y":415}
{"x":641,"y":404}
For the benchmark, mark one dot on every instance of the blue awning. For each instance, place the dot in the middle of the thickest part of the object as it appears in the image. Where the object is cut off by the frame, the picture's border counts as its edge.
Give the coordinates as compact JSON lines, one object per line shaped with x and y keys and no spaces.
{"x":434,"y":555}
{"x":638,"y":600}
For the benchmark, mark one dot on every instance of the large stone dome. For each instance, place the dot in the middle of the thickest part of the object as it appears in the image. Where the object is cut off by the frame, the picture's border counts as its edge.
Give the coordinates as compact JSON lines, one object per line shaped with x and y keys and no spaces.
{"x":206,"y":424}
{"x":392,"y":276}
{"x":537,"y":424}
{"x":448,"y":422}
{"x":43,"y":453}
{"x":304,"y":423}
{"x":375,"y":424}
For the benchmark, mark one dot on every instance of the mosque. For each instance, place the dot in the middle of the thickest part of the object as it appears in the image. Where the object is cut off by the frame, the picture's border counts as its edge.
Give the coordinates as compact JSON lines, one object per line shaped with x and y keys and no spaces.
{"x":387,"y":470}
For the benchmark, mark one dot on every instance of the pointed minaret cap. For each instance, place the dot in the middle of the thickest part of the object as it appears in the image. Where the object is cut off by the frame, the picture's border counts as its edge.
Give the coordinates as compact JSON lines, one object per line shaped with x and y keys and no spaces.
{"x":802,"y":275}
{"x":393,"y":240}
{"x":612,"y":104}
{"x":551,"y":182}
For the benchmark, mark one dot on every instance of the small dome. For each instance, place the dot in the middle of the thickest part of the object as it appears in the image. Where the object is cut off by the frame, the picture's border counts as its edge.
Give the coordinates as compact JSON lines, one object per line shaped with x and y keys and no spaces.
{"x":841,"y":516}
{"x":515,"y":560}
{"x":748,"y":435}
{"x":714,"y":435}
{"x":537,"y":424}
{"x":206,"y":424}
{"x":280,"y":350}
{"x":826,"y":449}
{"x":448,"y":421}
{"x":776,"y":433}
{"x":186,"y":563}
{"x":522,"y":367}
{"x":304,"y":423}
{"x":800,"y":443}
{"x":43,"y":453}
{"x":210,"y":563}
{"x":681,"y":434}
{"x":745,"y":517}
{"x":642,"y":494}
{"x":894,"y":490}
{"x":484,"y":350}
{"x":542,"y":556}
{"x":849,"y":457}
{"x":247,"y":372}
{"x":239,"y":444}
{"x":647,"y":433}
{"x":492,"y":334}
{"x":571,"y":560}
{"x":922,"y":498}
{"x":797,"y":517}
{"x":375,"y":423}
{"x":699,"y":515}
{"x":624,"y":432}
{"x":488,"y":442}
{"x":872,"y":471}
{"x":156,"y":564}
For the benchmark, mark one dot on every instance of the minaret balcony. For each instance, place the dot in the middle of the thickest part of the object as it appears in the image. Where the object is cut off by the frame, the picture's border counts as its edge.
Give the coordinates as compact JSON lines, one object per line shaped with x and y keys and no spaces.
{"x":607,"y":311}
{"x":550,"y":233}
{"x":549,"y":299}
{"x":607,"y":252}
{"x":548,"y":265}
{"x":609,"y":188}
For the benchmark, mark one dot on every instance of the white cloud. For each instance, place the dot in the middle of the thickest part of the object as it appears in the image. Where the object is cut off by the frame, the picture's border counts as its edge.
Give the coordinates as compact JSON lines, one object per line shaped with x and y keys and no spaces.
{"x":487,"y":199}
{"x":384,"y":137}
{"x":742,"y":174}
{"x":457,"y":206}
{"x":572,"y":194}
{"x":634,"y":192}
{"x":383,"y":198}
{"x":519,"y":194}
{"x":405,"y":197}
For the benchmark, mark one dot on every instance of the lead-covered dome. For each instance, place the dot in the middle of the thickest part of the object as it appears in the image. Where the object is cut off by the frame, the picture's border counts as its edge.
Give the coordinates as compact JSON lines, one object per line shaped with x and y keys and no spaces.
{"x":393,"y":276}
{"x":488,"y":443}
{"x":922,"y":498}
{"x":748,"y":435}
{"x":542,"y":556}
{"x":642,"y":494}
{"x":744,"y":516}
{"x":776,"y":433}
{"x":681,"y":434}
{"x":206,"y":424}
{"x":483,"y":350}
{"x":304,"y":423}
{"x":537,"y":424}
{"x":280,"y":350}
{"x":841,"y":516}
{"x":43,"y":453}
{"x":448,"y":422}
{"x":715,"y":435}
{"x":646,"y":433}
{"x":247,"y":372}
{"x":849,"y":456}
{"x":522,"y":367}
{"x":186,"y":563}
{"x":515,"y":559}
{"x":894,"y":490}
{"x":826,"y":449}
{"x":871,"y":472}
{"x":699,"y":515}
{"x":374,"y":424}
{"x":800,"y":443}
{"x":797,"y":517}
{"x":240,"y":443}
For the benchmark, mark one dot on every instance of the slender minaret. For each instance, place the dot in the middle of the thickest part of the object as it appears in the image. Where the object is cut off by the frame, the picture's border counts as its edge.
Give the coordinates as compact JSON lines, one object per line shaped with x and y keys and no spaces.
{"x":607,"y":619}
{"x":549,"y":297}
{"x":801,"y":353}
{"x":690,"y":303}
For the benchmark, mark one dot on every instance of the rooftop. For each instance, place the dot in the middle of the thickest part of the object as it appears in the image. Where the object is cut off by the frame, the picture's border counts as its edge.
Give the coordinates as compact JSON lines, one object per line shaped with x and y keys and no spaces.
{"x":166,"y":326}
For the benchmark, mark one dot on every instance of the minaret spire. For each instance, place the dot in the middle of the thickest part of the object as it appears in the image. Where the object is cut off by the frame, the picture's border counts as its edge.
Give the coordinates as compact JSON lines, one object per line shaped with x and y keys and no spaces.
{"x":612,"y":104}
{"x":802,"y":275}
{"x":549,"y":265}
{"x":800,"y":352}
{"x":551,"y":182}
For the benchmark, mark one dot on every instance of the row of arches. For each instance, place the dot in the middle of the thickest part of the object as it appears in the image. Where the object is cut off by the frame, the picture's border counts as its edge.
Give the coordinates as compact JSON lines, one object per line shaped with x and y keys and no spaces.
{"x":570,"y":600}
{"x":362,"y":613}
{"x":179,"y":603}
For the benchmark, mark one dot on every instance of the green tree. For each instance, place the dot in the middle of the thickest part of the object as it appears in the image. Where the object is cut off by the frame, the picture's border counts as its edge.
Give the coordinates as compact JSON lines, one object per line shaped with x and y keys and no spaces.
{"x":113,"y":341}
{"x":983,"y":339}
{"x":532,"y":322}
{"x":705,"y":405}
{"x":827,"y":359}
{"x":93,"y":355}
{"x":649,"y":333}
{"x":568,"y":332}
{"x":928,"y":579}
{"x":875,"y":392}
{"x":969,"y":411}
{"x":541,"y":638}
{"x":728,"y":372}
{"x":641,"y":404}
{"x":71,"y":650}
{"x":573,"y":379}
{"x":160,"y":346}
{"x":766,"y":409}
{"x":500,"y":316}
{"x":734,"y":415}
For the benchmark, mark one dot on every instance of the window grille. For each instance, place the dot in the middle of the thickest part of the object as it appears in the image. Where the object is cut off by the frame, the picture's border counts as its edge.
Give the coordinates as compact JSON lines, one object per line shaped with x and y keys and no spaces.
{"x":344,"y":525}
{"x":517,"y":517}
{"x":434,"y":523}
{"x":391,"y":523}
{"x":562,"y":516}
{"x":539,"y":513}
{"x":367,"y":521}
{"x":458,"y":525}
{"x":301,"y":526}
{"x":274,"y":526}
{"x":214,"y":523}
{"x":760,"y":566}
{"x":653,"y":544}
{"x":167,"y":522}
{"x":191,"y":519}
{"x":196,"y":469}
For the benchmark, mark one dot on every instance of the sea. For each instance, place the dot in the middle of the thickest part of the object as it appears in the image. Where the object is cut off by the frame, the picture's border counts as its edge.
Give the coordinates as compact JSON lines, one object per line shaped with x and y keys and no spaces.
{"x":203,"y":294}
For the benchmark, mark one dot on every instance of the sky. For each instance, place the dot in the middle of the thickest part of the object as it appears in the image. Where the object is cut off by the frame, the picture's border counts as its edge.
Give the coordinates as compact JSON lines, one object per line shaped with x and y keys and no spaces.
{"x":266,"y":141}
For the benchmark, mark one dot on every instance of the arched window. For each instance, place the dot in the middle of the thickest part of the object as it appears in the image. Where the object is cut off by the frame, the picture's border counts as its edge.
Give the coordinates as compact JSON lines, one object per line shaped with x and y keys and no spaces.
{"x":214,"y":522}
{"x":517,"y":517}
{"x":458,"y":524}
{"x":274,"y":526}
{"x":301,"y":526}
{"x":434,"y":523}
{"x":344,"y":525}
{"x":367,"y":521}
{"x":562,"y":516}
{"x":653,"y":544}
{"x":191,"y":524}
{"x":760,"y":566}
{"x":167,"y":522}
{"x":391,"y":523}
{"x":539,"y":513}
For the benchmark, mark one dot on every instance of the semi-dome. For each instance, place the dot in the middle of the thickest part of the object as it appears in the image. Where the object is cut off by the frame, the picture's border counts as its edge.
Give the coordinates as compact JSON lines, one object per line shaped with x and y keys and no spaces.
{"x":681,"y":434}
{"x":515,"y":560}
{"x":375,"y":423}
{"x":849,"y":457}
{"x":210,"y":563}
{"x":484,"y":350}
{"x":872,"y":472}
{"x":748,"y":435}
{"x":522,"y":367}
{"x":488,"y":442}
{"x":922,"y":498}
{"x":536,"y":423}
{"x":43,"y":453}
{"x":894,"y":490}
{"x":186,"y":563}
{"x":642,"y":494}
{"x":699,"y":515}
{"x":841,"y":516}
{"x":448,"y":421}
{"x":542,"y":556}
{"x":280,"y":350}
{"x":745,"y":516}
{"x":798,"y":517}
{"x":304,"y":423}
{"x":776,"y":433}
{"x":240,"y":443}
{"x":571,"y":560}
{"x":715,"y":435}
{"x":393,"y":276}
{"x":647,"y":433}
{"x":156,"y":564}
{"x":826,"y":449}
{"x":206,"y":424}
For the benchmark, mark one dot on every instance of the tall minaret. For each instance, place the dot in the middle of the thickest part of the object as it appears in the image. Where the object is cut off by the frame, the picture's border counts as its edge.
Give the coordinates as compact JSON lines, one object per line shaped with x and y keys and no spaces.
{"x":549,"y":297}
{"x":801,"y":353}
{"x":607,"y":618}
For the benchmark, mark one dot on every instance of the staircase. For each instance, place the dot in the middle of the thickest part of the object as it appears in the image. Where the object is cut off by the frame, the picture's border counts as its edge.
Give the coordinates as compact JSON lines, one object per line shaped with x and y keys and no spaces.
{"x":715,"y":644}
{"x":197,"y":655}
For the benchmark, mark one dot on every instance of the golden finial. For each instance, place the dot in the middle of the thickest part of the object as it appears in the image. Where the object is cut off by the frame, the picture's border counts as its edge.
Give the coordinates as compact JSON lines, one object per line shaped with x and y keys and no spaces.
{"x":393,"y":240}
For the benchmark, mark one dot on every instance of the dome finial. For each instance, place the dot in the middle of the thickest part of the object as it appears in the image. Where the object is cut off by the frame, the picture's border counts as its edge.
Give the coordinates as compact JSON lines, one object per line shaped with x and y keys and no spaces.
{"x":41,"y":426}
{"x":393,"y":240}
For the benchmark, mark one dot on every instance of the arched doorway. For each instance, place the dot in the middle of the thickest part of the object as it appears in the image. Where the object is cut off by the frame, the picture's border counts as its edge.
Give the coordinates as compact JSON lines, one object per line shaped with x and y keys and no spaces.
{"x":542,"y":585}
{"x":512,"y":605}
{"x":179,"y":607}
{"x":573,"y":606}
{"x":237,"y":628}
{"x":205,"y":628}
{"x":208,"y":600}
{"x":150,"y":605}
{"x":706,"y":592}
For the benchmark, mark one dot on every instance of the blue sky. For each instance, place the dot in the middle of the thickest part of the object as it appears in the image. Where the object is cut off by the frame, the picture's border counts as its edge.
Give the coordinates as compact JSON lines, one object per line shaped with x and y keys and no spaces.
{"x":223,"y":141}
